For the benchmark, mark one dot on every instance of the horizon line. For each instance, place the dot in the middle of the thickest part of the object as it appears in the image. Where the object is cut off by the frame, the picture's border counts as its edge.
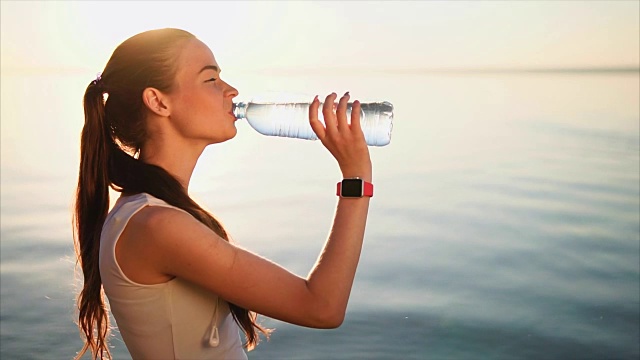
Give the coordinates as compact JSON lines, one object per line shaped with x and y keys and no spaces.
{"x":407,"y":70}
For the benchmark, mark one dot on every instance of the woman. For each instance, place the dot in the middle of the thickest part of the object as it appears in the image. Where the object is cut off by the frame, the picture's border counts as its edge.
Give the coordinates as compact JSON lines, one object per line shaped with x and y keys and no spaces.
{"x":176,"y":286}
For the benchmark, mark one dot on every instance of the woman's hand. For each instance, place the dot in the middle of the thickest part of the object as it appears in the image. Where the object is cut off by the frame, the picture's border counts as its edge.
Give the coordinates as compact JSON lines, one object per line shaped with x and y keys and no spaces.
{"x":343,"y":140}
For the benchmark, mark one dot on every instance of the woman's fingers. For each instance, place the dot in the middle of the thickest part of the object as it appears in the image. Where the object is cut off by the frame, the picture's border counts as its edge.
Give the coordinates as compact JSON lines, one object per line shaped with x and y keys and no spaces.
{"x":337,"y":126}
{"x":343,"y":140}
{"x":316,"y":125}
{"x":341,"y":112}
{"x":328,"y":113}
{"x":355,"y":118}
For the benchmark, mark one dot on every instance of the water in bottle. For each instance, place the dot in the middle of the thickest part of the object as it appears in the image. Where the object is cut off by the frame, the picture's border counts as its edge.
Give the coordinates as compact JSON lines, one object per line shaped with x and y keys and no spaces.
{"x":292,"y":119}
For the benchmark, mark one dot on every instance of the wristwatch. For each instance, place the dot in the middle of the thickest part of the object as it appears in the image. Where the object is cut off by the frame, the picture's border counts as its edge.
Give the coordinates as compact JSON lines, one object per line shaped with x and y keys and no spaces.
{"x":354,"y":188}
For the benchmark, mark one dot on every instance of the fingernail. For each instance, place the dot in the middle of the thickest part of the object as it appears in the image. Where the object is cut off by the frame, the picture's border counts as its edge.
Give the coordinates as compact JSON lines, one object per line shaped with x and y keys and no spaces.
{"x":315,"y":98}
{"x":346,"y":94}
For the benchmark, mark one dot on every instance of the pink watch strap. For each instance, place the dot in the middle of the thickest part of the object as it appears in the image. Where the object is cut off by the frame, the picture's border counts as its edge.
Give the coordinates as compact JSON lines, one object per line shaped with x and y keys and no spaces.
{"x":368,"y":189}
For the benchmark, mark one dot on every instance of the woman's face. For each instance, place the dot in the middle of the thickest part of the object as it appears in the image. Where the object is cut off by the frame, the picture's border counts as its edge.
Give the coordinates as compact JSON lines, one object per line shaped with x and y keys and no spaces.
{"x":201,"y":102}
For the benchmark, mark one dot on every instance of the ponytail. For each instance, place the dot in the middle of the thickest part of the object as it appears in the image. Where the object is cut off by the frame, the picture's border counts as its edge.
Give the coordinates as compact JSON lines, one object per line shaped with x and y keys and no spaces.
{"x":92,"y":205}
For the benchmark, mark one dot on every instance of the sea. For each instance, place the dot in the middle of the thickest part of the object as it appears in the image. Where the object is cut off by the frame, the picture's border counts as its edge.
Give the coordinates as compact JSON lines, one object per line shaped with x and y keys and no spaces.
{"x":505,"y":222}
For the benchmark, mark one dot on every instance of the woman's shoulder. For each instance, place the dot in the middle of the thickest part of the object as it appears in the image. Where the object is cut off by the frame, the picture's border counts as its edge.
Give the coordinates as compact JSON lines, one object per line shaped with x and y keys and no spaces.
{"x":152,"y":211}
{"x":156,"y":230}
{"x":160,"y":225}
{"x":154,"y":217}
{"x":136,"y":202}
{"x":143,"y":210}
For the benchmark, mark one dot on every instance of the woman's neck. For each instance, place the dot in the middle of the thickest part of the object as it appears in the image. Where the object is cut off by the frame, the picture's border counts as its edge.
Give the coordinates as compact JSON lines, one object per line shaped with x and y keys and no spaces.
{"x":176,"y":156}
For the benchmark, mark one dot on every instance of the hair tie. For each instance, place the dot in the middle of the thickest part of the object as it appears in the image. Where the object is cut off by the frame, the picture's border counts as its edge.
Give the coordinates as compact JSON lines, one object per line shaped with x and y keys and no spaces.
{"x":98,"y":79}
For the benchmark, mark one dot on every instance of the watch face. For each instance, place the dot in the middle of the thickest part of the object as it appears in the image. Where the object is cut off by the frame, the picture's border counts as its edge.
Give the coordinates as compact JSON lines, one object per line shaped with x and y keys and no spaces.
{"x":352,"y":188}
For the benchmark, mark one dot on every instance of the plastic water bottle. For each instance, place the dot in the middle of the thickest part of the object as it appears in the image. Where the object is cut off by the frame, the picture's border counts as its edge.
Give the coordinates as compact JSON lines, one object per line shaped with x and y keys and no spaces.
{"x":291,"y":119}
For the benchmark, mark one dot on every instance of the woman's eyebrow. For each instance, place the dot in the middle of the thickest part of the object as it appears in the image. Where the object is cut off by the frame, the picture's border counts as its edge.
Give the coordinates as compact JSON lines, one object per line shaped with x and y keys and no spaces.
{"x":210,"y":67}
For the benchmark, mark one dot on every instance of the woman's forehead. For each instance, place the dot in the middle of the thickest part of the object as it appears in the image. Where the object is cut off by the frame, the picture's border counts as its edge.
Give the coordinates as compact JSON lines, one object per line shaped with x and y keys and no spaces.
{"x":195,"y":57}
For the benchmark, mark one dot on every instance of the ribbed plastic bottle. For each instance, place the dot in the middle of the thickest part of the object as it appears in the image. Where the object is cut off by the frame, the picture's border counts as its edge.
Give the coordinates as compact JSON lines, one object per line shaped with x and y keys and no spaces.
{"x":291,"y":119}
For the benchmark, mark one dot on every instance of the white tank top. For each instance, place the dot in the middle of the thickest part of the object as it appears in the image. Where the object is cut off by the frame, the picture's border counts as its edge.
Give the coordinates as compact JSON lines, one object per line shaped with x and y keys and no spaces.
{"x":172,"y":320}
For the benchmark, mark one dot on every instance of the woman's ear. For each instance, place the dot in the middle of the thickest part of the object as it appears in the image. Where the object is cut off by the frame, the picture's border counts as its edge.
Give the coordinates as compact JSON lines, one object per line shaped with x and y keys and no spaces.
{"x":156,"y":101}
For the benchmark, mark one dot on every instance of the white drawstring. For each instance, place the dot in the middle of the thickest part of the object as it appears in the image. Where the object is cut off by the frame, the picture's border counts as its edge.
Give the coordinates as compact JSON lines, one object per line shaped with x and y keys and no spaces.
{"x":214,"y":337}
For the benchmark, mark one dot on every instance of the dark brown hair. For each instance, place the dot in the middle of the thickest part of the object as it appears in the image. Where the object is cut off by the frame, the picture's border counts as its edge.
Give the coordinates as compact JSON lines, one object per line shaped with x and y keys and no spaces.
{"x":113,"y":134}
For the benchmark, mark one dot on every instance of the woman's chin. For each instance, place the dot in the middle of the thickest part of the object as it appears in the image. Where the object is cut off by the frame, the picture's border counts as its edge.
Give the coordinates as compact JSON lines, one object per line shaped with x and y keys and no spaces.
{"x":228,"y":136}
{"x":233,"y":133}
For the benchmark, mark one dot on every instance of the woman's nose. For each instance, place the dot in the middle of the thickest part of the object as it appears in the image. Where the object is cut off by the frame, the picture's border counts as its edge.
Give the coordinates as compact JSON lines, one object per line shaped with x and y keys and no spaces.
{"x":231,"y":91}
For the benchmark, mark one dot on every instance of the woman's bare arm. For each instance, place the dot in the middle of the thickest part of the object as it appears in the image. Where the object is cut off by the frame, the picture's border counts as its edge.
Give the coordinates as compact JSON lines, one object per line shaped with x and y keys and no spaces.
{"x":175,"y":244}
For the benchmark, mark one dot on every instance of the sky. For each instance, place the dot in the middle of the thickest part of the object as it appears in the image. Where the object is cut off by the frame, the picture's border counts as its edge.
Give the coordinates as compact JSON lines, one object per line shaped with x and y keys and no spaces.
{"x":282,"y":35}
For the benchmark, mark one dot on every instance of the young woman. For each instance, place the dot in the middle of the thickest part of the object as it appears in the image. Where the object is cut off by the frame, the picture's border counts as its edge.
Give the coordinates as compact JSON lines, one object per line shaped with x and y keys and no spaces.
{"x":176,"y":286}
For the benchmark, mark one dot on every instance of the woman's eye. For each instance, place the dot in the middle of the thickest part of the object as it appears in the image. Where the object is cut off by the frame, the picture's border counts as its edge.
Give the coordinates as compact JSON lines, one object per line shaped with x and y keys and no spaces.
{"x":211,"y":80}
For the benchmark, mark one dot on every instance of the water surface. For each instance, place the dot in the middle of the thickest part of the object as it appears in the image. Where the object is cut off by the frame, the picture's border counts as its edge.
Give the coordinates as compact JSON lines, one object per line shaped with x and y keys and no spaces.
{"x":505,"y":222}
